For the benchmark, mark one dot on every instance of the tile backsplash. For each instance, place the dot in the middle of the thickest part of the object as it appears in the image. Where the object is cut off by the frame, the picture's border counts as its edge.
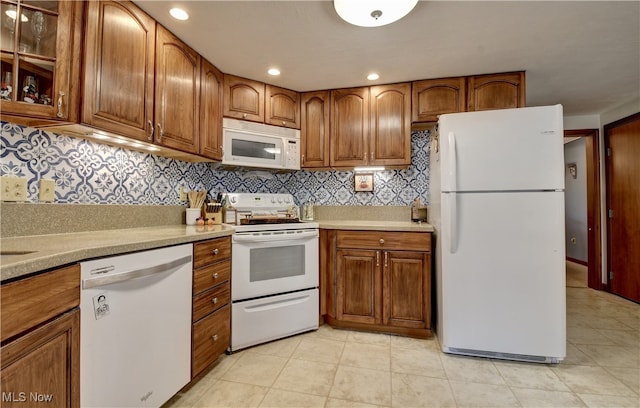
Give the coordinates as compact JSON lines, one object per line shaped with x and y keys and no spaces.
{"x":86,"y":172}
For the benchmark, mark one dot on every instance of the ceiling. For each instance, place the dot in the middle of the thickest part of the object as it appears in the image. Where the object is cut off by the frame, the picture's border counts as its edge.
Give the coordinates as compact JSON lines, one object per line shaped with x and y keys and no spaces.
{"x":582,"y":54}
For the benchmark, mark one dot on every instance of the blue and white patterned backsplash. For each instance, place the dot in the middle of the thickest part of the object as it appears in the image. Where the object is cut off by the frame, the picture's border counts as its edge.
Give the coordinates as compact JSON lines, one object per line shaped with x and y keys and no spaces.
{"x":86,"y":172}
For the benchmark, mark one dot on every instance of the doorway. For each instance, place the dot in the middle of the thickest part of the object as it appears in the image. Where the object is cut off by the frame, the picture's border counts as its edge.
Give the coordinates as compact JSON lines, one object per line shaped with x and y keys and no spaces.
{"x":622,"y":141}
{"x":594,"y":247}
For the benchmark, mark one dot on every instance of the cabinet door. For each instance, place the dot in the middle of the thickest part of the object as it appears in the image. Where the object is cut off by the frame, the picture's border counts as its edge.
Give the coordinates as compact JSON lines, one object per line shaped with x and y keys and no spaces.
{"x":390,"y":135}
{"x":349,"y":126}
{"x":314,"y":130}
{"x":119,"y":62}
{"x":177,"y":93}
{"x":496,"y":91}
{"x":210,"y":339}
{"x":44,"y":365}
{"x":359,"y":286}
{"x":211,"y":96}
{"x":434,"y":97}
{"x":407,"y":289}
{"x":243,"y":98}
{"x":282,"y":107}
{"x":40,"y":52}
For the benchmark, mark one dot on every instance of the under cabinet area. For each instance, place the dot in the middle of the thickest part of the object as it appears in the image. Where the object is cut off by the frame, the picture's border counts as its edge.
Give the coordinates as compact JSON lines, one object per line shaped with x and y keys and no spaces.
{"x":211,"y":316}
{"x":40,"y":351}
{"x":378,"y":281}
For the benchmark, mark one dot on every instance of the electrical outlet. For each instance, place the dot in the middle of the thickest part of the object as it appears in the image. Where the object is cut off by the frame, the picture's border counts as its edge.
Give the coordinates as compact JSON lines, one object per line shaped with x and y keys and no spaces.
{"x":13,"y":188}
{"x":47,"y":190}
{"x":183,"y":194}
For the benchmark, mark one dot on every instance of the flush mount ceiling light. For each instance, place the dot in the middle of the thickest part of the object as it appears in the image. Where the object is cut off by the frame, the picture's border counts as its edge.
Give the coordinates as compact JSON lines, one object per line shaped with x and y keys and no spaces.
{"x":373,"y":13}
{"x":373,"y":76}
{"x":179,"y":14}
{"x":273,"y":71}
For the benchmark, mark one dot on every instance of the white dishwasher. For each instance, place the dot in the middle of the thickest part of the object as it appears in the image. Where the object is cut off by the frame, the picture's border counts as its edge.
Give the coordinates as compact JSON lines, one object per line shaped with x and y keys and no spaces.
{"x":135,"y":332}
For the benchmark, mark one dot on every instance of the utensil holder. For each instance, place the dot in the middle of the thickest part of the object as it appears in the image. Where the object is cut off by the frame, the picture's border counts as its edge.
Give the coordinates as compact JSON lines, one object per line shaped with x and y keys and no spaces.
{"x":192,"y":215}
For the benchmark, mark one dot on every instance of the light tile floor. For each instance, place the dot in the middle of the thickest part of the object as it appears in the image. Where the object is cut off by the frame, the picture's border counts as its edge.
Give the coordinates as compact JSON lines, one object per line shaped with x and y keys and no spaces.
{"x":338,"y":368}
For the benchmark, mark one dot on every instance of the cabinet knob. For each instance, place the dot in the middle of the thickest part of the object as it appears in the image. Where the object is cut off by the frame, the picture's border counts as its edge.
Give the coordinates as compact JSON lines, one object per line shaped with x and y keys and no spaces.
{"x":214,"y":300}
{"x":381,"y":241}
{"x":214,"y":337}
{"x":215,"y":275}
{"x":284,"y":123}
{"x":215,"y":251}
{"x":244,"y":115}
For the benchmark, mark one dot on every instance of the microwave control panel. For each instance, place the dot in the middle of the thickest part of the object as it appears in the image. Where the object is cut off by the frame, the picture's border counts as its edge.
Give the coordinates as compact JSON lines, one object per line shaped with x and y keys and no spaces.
{"x":292,"y":156}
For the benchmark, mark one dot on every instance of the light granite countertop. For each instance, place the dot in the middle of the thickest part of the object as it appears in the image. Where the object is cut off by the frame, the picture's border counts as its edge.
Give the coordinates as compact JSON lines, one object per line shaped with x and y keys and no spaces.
{"x":53,"y":250}
{"x":42,"y":252}
{"x":375,"y":225}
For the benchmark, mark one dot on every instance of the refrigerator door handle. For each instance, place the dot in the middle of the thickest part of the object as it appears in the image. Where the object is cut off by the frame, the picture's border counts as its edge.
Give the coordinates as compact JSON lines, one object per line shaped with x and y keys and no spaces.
{"x":452,"y":163}
{"x":453,"y":222}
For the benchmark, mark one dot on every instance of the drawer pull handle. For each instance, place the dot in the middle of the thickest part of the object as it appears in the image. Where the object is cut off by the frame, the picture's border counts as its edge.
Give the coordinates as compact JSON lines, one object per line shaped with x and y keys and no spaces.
{"x":214,"y":300}
{"x":215,"y":337}
{"x":215,"y":275}
{"x":381,"y":241}
{"x":215,"y":251}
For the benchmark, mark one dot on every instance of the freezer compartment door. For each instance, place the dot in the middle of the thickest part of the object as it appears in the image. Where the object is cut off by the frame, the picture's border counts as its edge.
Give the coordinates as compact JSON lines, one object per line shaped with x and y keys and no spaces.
{"x":510,"y":149}
{"x":503,"y":273}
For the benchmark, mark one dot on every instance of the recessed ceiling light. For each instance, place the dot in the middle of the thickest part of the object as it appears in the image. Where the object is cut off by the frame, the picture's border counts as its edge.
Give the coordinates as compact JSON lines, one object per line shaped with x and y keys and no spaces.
{"x":273,"y":71}
{"x":179,"y":14}
{"x":373,"y":76}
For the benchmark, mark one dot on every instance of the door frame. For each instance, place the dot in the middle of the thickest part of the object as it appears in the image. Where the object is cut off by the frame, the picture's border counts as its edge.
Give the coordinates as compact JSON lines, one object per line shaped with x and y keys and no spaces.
{"x":594,"y":225}
{"x":607,"y":129}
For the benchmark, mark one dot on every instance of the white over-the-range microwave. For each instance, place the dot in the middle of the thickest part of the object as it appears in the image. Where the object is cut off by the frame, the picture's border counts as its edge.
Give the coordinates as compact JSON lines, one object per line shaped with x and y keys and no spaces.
{"x":258,"y":145}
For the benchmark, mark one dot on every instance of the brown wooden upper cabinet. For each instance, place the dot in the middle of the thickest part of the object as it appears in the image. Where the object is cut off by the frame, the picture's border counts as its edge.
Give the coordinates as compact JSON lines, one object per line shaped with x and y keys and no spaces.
{"x":349,"y":126}
{"x":371,"y":126}
{"x":390,"y":128}
{"x":159,"y":97}
{"x":177,"y":93}
{"x":211,"y":96}
{"x":433,"y":97}
{"x":282,"y":107}
{"x":119,"y":38}
{"x":314,"y":129}
{"x":243,"y":98}
{"x":496,"y":91}
{"x":40,"y":52}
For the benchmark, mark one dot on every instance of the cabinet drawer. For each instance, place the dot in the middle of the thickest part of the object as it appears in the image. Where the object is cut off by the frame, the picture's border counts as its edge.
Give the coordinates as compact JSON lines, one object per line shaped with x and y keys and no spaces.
{"x":210,"y":301}
{"x":399,"y":241}
{"x":208,"y":252}
{"x":28,"y":302}
{"x":210,"y":276}
{"x":210,"y":339}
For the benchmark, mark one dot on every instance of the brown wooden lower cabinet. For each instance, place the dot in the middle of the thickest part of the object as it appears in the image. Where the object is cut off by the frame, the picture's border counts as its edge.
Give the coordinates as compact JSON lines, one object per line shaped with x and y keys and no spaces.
{"x":381,"y":281}
{"x":41,"y":368}
{"x":211,"y":315}
{"x":40,"y":351}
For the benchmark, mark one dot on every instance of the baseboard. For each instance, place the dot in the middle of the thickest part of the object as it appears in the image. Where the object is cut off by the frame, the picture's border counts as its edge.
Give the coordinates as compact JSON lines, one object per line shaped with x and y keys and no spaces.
{"x":578,"y":261}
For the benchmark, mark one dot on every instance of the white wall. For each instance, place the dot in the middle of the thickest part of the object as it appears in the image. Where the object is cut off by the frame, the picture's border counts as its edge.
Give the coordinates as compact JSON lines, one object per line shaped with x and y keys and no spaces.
{"x":576,"y":200}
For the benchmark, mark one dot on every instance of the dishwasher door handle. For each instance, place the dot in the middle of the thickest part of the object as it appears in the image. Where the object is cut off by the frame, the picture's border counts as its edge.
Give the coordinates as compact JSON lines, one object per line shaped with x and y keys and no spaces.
{"x":137,"y":273}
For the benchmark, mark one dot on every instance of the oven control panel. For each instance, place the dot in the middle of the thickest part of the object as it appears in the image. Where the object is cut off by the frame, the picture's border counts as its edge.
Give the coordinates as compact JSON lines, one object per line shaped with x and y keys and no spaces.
{"x":260,"y":201}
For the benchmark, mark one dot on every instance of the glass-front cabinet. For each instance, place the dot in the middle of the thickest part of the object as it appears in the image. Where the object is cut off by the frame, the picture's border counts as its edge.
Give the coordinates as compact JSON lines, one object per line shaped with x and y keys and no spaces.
{"x":40,"y":53}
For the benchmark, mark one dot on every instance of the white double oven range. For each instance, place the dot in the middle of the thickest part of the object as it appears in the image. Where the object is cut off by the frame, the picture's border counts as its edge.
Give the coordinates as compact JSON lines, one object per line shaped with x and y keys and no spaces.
{"x":274,"y":270}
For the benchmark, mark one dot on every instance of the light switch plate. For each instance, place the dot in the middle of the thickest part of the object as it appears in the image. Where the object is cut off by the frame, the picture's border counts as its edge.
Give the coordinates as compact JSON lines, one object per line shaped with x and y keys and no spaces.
{"x":13,"y":188}
{"x":47,"y":190}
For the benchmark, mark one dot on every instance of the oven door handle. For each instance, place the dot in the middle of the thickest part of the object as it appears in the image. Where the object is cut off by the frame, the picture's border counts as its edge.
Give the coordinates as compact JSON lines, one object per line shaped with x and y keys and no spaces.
{"x":277,"y":236}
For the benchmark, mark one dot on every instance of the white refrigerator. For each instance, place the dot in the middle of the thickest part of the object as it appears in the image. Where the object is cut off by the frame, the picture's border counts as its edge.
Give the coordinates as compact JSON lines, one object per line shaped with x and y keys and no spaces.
{"x":497,"y":205}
